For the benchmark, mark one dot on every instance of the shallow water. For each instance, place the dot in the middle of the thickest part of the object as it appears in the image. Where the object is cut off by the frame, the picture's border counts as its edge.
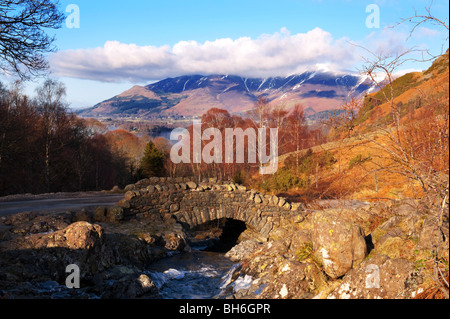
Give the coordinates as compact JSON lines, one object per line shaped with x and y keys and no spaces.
{"x":195,"y":275}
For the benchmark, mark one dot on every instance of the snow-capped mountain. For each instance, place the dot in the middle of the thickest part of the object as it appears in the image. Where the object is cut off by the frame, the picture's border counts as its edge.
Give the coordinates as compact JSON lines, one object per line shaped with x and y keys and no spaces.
{"x":193,"y":95}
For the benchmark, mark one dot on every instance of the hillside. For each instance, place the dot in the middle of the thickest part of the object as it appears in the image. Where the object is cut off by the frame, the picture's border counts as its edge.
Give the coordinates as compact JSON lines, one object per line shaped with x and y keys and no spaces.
{"x":410,"y":94}
{"x":193,"y":95}
{"x":377,"y":159}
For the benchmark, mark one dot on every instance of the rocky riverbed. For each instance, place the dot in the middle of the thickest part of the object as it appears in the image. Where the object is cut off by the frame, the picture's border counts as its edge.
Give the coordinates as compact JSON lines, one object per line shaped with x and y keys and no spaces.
{"x":373,"y":250}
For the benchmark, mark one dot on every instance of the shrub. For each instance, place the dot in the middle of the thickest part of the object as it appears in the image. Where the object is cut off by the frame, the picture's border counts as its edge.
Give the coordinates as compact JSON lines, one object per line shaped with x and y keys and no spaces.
{"x":283,"y":180}
{"x":152,"y":164}
{"x":357,"y":160}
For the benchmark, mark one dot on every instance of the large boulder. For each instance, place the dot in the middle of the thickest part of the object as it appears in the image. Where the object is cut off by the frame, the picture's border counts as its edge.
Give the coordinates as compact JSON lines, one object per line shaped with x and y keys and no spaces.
{"x":268,"y":274}
{"x":46,"y":256}
{"x":434,"y":237}
{"x":83,"y":235}
{"x":243,"y":250}
{"x":338,"y":244}
{"x":379,"y":278}
{"x":175,"y":241}
{"x":80,"y":235}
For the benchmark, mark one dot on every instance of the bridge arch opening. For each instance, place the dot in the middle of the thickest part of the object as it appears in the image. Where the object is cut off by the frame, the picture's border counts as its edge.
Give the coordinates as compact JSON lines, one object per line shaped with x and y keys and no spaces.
{"x":219,"y":235}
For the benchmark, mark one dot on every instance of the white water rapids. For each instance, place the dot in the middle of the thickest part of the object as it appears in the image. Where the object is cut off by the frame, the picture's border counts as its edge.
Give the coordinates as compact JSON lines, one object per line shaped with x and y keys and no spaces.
{"x":197,"y":275}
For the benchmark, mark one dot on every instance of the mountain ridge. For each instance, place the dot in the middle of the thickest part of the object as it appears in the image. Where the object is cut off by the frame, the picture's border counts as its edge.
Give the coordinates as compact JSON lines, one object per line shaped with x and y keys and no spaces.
{"x":193,"y":95}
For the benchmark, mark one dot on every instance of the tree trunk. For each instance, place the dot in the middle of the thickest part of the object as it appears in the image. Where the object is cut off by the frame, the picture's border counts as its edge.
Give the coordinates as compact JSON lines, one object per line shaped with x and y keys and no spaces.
{"x":317,"y":175}
{"x":47,"y":166}
{"x":2,"y":145}
{"x":47,"y":153}
{"x":376,"y":181}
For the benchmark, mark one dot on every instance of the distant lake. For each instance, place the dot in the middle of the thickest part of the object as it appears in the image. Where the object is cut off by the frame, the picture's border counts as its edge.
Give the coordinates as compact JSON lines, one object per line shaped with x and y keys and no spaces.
{"x":163,"y":133}
{"x":160,"y":131}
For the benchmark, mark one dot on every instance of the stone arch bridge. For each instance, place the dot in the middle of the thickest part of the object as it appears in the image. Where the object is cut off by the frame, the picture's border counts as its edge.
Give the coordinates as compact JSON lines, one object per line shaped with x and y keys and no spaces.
{"x":193,"y":204}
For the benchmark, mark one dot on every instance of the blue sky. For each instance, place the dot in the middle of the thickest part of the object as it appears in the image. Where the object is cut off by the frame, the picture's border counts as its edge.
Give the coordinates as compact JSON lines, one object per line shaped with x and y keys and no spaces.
{"x":123,"y":43}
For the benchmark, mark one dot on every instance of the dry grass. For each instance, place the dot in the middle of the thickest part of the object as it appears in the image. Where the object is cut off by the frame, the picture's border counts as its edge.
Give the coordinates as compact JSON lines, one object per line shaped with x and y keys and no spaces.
{"x":434,"y":292}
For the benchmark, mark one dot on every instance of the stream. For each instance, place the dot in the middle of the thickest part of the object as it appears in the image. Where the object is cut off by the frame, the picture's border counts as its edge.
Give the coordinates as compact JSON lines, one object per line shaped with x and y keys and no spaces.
{"x":194,"y":275}
{"x":205,"y":272}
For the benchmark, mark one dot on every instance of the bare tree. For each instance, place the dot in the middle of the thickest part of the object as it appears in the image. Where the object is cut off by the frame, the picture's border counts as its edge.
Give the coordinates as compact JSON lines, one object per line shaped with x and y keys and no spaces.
{"x":260,"y":115}
{"x":260,"y":112}
{"x":298,"y":131}
{"x":50,"y":97}
{"x":10,"y":99}
{"x":23,"y":41}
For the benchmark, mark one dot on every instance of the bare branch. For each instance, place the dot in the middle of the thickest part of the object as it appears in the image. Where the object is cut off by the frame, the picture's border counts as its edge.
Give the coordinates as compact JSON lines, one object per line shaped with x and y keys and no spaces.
{"x":419,"y":19}
{"x":23,"y":41}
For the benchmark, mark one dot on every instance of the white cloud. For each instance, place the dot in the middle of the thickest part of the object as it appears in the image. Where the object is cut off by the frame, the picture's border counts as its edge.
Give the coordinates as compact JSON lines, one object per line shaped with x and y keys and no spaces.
{"x":281,"y":53}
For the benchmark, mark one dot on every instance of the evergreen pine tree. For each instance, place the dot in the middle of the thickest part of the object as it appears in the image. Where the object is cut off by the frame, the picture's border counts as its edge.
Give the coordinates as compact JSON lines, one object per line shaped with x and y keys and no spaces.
{"x":152,"y":164}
